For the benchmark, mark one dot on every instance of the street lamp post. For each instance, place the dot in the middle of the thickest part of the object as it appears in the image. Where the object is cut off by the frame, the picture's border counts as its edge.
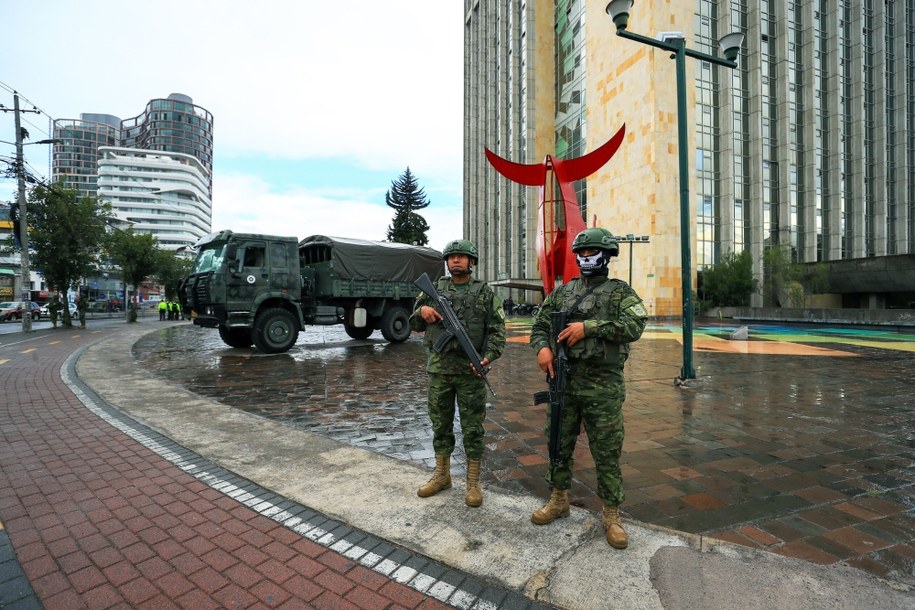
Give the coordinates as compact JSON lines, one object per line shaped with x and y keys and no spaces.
{"x":675,"y":43}
{"x":632,"y":239}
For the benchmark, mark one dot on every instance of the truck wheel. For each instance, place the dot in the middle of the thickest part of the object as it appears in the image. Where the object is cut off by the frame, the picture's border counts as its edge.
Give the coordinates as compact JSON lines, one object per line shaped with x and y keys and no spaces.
{"x":236,"y":337}
{"x":359,"y":332}
{"x":275,"y":331}
{"x":395,"y":324}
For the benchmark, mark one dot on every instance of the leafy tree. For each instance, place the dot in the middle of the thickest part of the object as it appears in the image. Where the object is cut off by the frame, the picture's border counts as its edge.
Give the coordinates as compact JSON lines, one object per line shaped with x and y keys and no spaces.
{"x":66,"y":235}
{"x":406,"y":197}
{"x":789,"y":282}
{"x":171,"y":268}
{"x":730,"y":283}
{"x":783,"y":275}
{"x":137,"y":255}
{"x":816,"y":278}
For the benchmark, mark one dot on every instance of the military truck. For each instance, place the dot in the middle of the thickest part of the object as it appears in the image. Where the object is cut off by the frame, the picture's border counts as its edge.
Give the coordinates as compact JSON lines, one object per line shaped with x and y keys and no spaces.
{"x":262,"y":290}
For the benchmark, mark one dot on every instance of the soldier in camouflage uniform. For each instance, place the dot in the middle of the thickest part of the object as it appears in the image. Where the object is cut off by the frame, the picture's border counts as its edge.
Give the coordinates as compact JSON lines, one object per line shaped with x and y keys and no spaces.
{"x":605,"y":315}
{"x":451,"y":376}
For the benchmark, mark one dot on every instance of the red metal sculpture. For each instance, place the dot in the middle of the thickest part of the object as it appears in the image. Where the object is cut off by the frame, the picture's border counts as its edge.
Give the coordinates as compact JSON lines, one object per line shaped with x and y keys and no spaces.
{"x":559,"y":220}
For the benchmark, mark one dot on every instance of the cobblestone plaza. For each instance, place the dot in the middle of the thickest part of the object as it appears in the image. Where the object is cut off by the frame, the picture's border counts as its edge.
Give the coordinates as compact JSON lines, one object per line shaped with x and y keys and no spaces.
{"x":800,"y":440}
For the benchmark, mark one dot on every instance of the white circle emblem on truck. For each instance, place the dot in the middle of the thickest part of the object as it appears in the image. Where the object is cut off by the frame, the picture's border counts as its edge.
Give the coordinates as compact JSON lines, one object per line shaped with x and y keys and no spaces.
{"x":250,"y":279}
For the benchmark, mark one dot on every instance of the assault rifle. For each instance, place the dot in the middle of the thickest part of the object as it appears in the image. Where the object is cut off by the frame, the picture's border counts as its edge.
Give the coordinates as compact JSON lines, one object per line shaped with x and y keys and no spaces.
{"x":555,"y":396}
{"x":453,"y":329}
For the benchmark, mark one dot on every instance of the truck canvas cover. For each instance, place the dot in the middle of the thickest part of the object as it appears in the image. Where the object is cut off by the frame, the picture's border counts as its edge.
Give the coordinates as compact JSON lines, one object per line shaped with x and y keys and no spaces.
{"x":358,"y":259}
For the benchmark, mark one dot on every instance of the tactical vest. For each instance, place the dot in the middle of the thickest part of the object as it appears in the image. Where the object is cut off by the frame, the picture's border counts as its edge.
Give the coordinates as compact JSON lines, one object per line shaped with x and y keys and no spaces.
{"x":603,"y":303}
{"x":473,"y":306}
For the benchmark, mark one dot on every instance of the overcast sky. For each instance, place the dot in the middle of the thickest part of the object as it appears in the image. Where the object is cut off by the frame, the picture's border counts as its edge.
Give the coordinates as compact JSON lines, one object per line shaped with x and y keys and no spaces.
{"x":318,"y":106}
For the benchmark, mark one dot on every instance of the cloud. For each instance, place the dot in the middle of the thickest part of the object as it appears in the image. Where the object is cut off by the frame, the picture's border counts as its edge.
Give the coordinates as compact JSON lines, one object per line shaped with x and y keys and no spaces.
{"x":360,"y":90}
{"x":383,"y":87}
{"x":381,"y":82}
{"x":249,"y":204}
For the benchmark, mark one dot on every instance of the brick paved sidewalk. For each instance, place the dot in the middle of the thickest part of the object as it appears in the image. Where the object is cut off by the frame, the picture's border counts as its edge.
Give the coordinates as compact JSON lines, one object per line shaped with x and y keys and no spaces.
{"x":98,"y":520}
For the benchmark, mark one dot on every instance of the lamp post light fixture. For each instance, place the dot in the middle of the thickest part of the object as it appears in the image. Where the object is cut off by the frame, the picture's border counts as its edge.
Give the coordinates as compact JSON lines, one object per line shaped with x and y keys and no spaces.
{"x":632,"y":239}
{"x":675,"y":42}
{"x":51,"y":141}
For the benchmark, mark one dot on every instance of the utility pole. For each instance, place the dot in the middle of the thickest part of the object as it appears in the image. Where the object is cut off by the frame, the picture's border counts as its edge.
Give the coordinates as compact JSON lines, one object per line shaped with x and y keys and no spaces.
{"x":26,"y":281}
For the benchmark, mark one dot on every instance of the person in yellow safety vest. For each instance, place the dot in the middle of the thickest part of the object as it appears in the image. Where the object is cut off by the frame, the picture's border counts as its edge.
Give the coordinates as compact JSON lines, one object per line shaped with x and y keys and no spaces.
{"x":163,"y":309}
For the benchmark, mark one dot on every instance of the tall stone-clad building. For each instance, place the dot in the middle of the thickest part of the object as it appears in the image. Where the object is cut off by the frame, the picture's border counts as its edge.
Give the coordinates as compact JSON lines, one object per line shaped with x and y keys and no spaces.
{"x":168,"y":195}
{"x":808,"y":144}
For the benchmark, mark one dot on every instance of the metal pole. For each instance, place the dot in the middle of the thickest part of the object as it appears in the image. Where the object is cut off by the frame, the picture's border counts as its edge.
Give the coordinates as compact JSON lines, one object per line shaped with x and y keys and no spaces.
{"x":630,"y":260}
{"x":687,"y":372}
{"x":26,"y":276}
{"x":677,"y":46}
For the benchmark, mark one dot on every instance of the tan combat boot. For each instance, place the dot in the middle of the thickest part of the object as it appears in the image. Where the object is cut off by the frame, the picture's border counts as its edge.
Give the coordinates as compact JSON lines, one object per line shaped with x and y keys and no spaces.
{"x":616,"y":535}
{"x":441,"y":478}
{"x":557,"y":507}
{"x":474,"y":493}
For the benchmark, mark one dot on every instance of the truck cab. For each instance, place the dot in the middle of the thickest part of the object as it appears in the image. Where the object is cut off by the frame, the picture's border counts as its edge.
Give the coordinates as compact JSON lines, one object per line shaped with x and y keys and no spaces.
{"x":248,"y":286}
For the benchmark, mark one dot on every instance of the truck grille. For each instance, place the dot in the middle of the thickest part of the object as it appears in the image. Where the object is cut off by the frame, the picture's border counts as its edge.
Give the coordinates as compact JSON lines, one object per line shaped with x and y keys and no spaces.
{"x":200,"y":290}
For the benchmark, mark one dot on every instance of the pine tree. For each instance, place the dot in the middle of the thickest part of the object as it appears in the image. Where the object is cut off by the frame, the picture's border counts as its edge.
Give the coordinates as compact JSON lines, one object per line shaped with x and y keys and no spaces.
{"x":406,"y":197}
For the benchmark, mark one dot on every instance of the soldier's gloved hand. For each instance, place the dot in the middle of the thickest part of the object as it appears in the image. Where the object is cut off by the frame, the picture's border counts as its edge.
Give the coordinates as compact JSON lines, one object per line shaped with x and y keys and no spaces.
{"x":572,"y":334}
{"x":430,"y":314}
{"x":545,"y":361}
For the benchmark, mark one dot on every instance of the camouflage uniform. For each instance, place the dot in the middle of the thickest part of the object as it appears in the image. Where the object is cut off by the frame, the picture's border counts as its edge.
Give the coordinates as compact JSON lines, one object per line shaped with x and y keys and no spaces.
{"x":450,"y":375}
{"x":614,"y":316}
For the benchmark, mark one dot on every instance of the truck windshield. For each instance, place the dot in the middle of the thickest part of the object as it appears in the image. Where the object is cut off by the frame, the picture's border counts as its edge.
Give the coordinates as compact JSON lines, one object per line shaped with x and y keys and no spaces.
{"x":209,"y":258}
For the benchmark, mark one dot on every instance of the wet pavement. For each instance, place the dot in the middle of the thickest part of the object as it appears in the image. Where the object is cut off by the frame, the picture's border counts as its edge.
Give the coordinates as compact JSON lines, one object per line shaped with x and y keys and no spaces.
{"x":800,"y":441}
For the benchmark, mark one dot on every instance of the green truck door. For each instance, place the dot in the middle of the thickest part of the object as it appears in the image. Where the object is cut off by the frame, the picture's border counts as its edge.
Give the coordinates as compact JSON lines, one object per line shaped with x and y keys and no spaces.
{"x":253,"y":275}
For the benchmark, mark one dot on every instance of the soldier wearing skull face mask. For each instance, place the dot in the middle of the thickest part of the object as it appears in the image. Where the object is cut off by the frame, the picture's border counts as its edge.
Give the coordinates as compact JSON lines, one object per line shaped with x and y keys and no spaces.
{"x":604,"y":316}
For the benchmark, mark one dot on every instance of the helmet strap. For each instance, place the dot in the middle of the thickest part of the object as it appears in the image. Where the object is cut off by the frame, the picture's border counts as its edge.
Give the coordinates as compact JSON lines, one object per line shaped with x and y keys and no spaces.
{"x":467,"y":271}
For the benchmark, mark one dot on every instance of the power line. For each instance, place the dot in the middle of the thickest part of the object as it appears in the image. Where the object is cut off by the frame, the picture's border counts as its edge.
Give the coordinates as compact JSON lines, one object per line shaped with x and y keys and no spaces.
{"x":23,"y":119}
{"x":25,"y":99}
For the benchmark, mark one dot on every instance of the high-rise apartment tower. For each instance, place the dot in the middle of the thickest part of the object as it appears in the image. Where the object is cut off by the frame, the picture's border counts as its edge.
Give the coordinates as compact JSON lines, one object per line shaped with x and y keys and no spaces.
{"x":168,"y":195}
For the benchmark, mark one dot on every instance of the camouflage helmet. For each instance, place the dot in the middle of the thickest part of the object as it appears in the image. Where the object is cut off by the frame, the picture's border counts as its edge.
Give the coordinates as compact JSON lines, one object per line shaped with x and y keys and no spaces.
{"x":596,"y":237}
{"x":461,"y":246}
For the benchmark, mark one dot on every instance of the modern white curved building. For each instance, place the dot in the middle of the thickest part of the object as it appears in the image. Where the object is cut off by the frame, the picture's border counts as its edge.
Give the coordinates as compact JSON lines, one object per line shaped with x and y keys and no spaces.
{"x":155,"y":169}
{"x":162,"y":193}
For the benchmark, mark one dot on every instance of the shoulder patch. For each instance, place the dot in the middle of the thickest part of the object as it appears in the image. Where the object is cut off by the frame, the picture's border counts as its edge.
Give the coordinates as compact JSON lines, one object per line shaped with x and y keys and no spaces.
{"x":639,"y":310}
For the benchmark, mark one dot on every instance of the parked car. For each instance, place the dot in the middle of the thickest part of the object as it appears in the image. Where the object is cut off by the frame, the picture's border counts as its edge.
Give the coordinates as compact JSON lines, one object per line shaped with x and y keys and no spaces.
{"x":12,"y":310}
{"x":99,"y":307}
{"x":103,"y":306}
{"x":45,"y":313}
